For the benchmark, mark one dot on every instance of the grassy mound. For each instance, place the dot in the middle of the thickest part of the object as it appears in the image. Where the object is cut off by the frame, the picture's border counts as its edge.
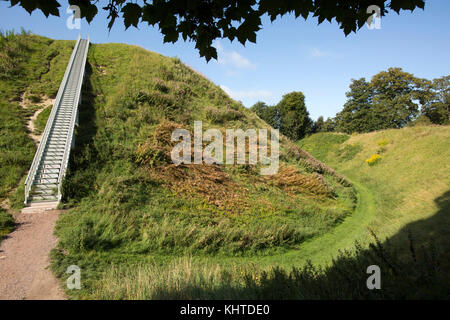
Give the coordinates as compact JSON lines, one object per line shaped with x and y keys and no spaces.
{"x":414,"y":259}
{"x":141,"y":227}
{"x":129,"y":203}
{"x":30,"y":67}
{"x":128,"y":195}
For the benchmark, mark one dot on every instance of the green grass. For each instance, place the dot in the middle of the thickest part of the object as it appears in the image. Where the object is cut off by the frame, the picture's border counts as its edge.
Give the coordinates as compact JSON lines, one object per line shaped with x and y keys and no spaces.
{"x":320,"y":144}
{"x":41,"y":120}
{"x":6,"y":223}
{"x":139,"y":228}
{"x":35,"y":66}
{"x":414,"y":258}
{"x":130,"y":106}
{"x":130,"y":217}
{"x":124,"y":207}
{"x":410,"y":176}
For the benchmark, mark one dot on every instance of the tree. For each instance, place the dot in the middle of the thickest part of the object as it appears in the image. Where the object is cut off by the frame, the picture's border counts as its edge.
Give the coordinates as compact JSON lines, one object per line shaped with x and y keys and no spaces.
{"x":390,"y":100}
{"x":295,"y":122}
{"x":357,"y":115}
{"x":267,"y":113}
{"x":396,"y":97}
{"x":203,"y":21}
{"x":437,"y":106}
{"x":318,"y":125}
{"x":329,"y":125}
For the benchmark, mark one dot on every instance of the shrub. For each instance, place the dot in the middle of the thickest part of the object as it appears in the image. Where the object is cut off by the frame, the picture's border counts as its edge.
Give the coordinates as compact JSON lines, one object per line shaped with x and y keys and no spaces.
{"x":423,"y":120}
{"x":373,"y":159}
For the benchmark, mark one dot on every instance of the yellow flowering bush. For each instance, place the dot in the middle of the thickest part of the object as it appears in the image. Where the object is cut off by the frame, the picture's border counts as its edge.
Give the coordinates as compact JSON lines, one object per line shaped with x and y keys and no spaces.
{"x":373,"y":159}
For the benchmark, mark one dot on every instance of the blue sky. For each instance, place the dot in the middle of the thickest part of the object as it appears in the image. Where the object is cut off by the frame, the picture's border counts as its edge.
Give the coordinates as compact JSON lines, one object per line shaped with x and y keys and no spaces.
{"x":290,"y":55}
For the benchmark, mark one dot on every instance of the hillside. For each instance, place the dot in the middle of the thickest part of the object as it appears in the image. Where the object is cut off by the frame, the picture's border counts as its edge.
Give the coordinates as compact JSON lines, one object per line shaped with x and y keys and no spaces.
{"x":31,"y":68}
{"x":409,"y":183}
{"x":140,"y":227}
{"x":127,"y":203}
{"x":400,"y":223}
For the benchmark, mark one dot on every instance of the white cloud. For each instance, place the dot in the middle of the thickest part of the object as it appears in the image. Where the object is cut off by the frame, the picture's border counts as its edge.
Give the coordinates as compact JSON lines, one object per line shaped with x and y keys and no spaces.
{"x":252,"y":94}
{"x":232,"y":58}
{"x":317,"y":53}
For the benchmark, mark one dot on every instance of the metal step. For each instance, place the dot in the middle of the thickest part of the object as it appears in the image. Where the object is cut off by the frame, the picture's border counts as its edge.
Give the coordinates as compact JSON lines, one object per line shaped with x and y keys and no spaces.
{"x":45,"y":186}
{"x":42,"y":181}
{"x":51,"y":171}
{"x":43,"y":198}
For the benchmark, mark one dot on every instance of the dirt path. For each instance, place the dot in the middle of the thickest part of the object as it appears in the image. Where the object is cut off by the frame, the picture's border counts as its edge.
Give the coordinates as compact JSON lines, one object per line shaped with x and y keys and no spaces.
{"x":24,"y":254}
{"x":24,"y":259}
{"x":26,"y":103}
{"x":30,"y":126}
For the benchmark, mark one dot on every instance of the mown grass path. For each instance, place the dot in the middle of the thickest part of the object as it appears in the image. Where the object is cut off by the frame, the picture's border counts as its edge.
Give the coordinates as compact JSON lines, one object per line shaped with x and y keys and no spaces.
{"x":321,"y":249}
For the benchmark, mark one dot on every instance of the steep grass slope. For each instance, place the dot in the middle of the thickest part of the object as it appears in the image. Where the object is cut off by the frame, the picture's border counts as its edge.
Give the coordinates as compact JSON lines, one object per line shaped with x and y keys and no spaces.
{"x":129,"y":204}
{"x":410,"y":181}
{"x":400,"y":223}
{"x":408,"y":175}
{"x":31,"y":68}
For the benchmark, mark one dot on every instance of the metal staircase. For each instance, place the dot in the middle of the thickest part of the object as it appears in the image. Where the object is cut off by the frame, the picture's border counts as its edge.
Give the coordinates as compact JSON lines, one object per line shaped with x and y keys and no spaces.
{"x":43,"y":183}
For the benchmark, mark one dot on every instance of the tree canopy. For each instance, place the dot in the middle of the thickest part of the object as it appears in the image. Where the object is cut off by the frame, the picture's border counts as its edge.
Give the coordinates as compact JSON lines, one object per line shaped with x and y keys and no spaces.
{"x":203,"y":21}
{"x":290,"y":115}
{"x":294,"y":118}
{"x":356,"y":115}
{"x":437,"y":106}
{"x":392,"y":99}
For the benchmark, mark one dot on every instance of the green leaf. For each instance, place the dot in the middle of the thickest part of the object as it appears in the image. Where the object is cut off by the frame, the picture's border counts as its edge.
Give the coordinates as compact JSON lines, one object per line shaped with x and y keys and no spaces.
{"x":132,"y":13}
{"x":48,"y":7}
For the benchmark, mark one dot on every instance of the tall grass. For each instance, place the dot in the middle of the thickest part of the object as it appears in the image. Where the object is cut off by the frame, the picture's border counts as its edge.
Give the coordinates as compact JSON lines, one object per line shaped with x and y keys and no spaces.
{"x":185,"y":278}
{"x":41,"y":120}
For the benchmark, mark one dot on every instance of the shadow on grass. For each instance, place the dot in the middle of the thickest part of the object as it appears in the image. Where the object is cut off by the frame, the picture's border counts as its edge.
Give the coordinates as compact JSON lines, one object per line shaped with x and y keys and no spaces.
{"x":77,"y":185}
{"x":414,"y":264}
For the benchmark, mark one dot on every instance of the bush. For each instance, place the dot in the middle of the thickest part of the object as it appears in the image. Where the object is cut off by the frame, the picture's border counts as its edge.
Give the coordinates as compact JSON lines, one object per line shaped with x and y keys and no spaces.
{"x":373,"y":159}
